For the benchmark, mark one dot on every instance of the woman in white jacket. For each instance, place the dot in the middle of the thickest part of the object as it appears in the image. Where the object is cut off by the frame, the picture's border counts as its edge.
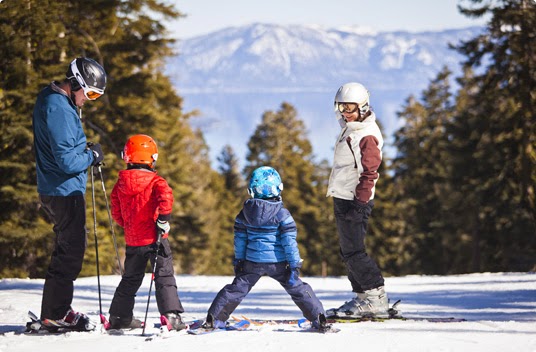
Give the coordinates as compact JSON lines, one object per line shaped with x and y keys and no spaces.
{"x":358,"y":155}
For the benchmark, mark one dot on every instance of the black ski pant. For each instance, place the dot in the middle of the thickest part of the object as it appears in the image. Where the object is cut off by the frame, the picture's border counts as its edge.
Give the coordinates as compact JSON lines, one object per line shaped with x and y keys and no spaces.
{"x":68,"y":214}
{"x":352,"y":222}
{"x":231,"y":295}
{"x":165,"y":286}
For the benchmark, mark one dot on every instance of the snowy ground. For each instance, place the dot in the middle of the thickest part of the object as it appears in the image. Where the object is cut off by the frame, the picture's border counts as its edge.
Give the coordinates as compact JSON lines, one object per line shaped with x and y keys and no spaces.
{"x":500,"y":310}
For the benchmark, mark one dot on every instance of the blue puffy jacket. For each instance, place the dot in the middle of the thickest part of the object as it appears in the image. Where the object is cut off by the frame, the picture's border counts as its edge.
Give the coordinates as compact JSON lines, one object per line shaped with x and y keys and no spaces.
{"x":265,"y":232}
{"x":60,"y":145}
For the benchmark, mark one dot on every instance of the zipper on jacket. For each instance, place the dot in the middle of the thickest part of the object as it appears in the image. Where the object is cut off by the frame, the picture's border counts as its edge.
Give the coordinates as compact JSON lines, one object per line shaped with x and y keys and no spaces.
{"x":349,"y":142}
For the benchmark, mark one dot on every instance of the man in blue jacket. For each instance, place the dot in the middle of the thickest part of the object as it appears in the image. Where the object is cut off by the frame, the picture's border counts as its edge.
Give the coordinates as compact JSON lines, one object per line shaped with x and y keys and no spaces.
{"x":265,"y":244}
{"x":62,"y":158}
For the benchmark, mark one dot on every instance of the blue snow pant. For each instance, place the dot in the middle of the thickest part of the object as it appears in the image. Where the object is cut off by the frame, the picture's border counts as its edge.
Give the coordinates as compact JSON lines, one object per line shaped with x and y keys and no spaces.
{"x":68,"y":214}
{"x":352,"y":222}
{"x":167,"y":298}
{"x":231,"y":295}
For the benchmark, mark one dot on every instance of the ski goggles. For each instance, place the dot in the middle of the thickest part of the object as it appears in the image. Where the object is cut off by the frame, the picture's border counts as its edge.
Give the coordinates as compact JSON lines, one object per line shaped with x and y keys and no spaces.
{"x":348,"y":108}
{"x":92,"y":93}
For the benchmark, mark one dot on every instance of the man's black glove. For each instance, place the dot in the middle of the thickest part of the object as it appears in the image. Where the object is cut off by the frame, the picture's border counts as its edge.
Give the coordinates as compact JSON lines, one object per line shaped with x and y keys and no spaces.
{"x":98,"y":155}
{"x":238,"y":266}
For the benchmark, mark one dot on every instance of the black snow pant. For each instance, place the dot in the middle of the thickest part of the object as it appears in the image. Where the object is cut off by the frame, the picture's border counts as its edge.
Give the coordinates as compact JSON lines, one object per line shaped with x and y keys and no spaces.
{"x":167,"y":298}
{"x":231,"y":295}
{"x":68,"y":214}
{"x":352,"y":222}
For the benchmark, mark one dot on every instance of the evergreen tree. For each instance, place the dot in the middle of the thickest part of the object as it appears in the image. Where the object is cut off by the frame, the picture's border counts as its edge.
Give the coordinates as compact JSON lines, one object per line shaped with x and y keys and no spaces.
{"x":229,"y":169}
{"x":421,"y":171}
{"x":280,"y":141}
{"x":325,"y":248}
{"x":500,"y":117}
{"x":232,"y":193}
{"x":198,"y":200}
{"x":30,"y":50}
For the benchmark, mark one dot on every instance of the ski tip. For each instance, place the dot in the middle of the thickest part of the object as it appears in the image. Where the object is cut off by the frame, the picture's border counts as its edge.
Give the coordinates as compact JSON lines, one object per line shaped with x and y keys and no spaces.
{"x":164,"y":323}
{"x":105,"y":323}
{"x":303,"y":322}
{"x":243,"y":324}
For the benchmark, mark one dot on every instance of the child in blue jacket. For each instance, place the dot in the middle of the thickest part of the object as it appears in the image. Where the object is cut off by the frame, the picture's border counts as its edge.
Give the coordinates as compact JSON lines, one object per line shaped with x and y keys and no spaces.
{"x":265,"y":244}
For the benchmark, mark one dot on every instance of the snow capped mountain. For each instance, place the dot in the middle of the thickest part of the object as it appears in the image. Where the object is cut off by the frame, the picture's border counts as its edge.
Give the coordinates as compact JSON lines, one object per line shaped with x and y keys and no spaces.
{"x":234,"y":75}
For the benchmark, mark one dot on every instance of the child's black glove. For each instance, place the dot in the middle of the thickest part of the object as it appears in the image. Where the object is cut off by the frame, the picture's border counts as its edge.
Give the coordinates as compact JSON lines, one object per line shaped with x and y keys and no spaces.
{"x":238,"y":266}
{"x":293,"y":273}
{"x":162,"y":227}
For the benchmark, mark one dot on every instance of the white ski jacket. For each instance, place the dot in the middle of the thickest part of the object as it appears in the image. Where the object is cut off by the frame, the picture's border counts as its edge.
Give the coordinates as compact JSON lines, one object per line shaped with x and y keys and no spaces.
{"x":358,"y":155}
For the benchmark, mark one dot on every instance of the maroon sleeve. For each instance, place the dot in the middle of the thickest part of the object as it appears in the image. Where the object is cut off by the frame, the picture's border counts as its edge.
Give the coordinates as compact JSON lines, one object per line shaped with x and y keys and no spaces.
{"x":116,"y":207}
{"x":164,"y":196}
{"x":370,"y":160}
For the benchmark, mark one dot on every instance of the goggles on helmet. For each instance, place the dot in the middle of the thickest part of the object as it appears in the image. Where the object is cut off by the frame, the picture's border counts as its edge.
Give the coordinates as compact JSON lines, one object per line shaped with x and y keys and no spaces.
{"x":91,"y":93}
{"x":349,"y":108}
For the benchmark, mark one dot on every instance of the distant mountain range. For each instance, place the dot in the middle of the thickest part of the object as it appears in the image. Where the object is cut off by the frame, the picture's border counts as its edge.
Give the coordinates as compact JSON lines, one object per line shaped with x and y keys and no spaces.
{"x":234,"y":75}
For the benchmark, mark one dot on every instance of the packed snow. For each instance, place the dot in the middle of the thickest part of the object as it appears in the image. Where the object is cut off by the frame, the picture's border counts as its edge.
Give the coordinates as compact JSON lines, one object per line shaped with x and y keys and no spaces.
{"x":499,"y":311}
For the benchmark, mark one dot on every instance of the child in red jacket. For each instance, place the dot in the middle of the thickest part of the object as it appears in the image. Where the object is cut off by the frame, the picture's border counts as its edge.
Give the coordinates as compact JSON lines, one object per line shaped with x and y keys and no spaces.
{"x":141,"y":203}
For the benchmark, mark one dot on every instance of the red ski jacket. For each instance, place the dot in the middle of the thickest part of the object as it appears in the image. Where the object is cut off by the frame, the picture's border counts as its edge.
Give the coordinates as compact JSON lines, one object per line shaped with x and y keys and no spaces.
{"x":139,"y":198}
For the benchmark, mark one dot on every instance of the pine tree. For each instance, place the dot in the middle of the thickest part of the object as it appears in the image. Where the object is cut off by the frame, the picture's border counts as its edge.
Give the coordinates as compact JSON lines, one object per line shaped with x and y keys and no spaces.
{"x":30,"y":48}
{"x":325,"y":247}
{"x":280,"y":141}
{"x":422,"y":171}
{"x":230,"y":187}
{"x":500,"y":105}
{"x":229,"y":169}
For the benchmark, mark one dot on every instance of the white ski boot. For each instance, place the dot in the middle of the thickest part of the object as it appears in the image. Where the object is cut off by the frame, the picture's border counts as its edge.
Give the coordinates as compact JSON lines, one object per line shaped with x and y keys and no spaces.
{"x":375,"y":304}
{"x":347,"y":306}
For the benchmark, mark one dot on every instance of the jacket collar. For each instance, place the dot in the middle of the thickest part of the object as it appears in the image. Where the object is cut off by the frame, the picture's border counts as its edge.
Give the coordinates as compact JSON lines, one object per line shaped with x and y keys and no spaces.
{"x":360,"y":125}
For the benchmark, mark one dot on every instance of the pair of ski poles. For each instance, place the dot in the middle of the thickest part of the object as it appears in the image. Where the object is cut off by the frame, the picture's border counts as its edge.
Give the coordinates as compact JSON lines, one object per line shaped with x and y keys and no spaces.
{"x":102,"y":317}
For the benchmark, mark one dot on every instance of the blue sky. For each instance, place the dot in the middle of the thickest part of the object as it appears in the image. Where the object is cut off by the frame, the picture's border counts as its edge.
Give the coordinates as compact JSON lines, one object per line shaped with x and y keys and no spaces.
{"x":204,"y":16}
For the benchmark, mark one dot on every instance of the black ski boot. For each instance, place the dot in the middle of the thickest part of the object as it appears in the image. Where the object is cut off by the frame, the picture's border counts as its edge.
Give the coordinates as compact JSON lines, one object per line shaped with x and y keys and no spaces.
{"x":321,"y":323}
{"x":125,"y":323}
{"x":174,"y":321}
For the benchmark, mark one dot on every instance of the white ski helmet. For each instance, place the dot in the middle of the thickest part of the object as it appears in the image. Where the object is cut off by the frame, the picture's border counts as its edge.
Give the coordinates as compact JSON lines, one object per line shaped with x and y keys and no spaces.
{"x":353,"y":93}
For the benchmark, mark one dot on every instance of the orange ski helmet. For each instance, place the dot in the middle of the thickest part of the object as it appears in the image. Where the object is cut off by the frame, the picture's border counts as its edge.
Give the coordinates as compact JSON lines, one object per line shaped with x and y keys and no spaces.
{"x":140,"y":149}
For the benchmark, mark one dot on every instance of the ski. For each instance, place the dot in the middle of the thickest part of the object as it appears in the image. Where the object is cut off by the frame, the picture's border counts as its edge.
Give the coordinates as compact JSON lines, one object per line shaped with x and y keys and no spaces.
{"x":309,"y":329}
{"x":303,"y":325}
{"x":36,"y":327}
{"x":242,"y":325}
{"x":166,"y":332}
{"x":337,"y":319}
{"x":392,"y":314}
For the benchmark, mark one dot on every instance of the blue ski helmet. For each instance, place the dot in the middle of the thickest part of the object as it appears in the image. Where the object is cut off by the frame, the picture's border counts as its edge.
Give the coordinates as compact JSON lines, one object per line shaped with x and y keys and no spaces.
{"x":265,"y":183}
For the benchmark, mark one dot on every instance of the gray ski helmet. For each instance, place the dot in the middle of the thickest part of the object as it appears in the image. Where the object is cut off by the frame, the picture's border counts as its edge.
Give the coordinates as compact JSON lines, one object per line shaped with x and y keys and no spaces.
{"x":89,"y":75}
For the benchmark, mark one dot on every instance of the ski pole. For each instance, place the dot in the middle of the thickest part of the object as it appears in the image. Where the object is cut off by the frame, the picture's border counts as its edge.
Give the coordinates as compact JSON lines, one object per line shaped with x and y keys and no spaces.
{"x":102,"y":318}
{"x":111,"y":222}
{"x":152,"y":279}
